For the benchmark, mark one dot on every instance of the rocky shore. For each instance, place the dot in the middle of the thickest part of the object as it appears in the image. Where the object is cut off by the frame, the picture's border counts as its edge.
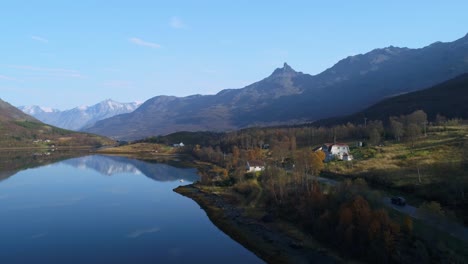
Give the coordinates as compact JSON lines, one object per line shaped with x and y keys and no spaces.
{"x":261,"y":236}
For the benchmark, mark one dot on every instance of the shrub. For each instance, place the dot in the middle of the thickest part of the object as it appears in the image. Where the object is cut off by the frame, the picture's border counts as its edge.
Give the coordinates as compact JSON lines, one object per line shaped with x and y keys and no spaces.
{"x":246,"y":188}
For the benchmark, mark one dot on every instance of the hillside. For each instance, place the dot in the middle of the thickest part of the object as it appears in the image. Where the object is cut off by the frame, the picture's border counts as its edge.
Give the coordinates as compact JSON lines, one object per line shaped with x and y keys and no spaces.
{"x":79,"y":117}
{"x":448,"y":99}
{"x":20,"y":130}
{"x":288,"y":96}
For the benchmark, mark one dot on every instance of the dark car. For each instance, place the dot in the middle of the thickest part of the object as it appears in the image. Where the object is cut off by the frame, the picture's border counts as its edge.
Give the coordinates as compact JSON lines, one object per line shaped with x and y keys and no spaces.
{"x":398,"y":201}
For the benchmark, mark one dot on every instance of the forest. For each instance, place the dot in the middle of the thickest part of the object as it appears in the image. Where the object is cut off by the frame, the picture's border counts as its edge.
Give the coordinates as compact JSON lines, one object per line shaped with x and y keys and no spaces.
{"x":350,"y":216}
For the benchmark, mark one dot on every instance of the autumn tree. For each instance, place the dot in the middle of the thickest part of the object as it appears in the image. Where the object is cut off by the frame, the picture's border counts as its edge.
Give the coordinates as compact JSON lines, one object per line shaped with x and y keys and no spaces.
{"x":235,"y":156}
{"x":254,"y":154}
{"x":316,"y":163}
{"x":280,"y":150}
{"x":321,"y":155}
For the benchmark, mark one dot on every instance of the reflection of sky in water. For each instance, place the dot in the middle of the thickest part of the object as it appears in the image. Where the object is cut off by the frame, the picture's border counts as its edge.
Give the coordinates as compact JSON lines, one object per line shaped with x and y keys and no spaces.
{"x":62,"y":214}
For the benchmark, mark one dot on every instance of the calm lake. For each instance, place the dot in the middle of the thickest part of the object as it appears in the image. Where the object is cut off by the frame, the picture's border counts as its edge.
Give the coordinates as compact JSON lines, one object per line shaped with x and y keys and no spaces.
{"x":105,"y":209}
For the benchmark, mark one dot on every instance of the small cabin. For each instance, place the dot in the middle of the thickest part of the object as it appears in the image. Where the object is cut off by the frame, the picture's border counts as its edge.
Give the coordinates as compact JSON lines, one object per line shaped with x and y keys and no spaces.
{"x":255,"y":165}
{"x":180,"y":145}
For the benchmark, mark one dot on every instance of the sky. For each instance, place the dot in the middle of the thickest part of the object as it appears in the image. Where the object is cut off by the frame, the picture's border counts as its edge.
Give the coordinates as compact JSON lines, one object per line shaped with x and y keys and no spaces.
{"x":64,"y":54}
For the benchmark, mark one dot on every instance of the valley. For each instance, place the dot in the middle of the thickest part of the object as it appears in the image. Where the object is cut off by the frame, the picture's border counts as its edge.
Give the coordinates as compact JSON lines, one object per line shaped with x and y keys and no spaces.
{"x":234,"y":132}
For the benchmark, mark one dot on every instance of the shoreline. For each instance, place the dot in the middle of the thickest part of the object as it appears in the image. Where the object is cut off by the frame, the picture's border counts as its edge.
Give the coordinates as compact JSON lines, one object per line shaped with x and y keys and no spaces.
{"x":265,"y":240}
{"x":47,"y":148}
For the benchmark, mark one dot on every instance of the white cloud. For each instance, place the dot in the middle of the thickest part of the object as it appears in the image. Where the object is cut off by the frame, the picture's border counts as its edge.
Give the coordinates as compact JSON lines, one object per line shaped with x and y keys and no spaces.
{"x":141,"y":42}
{"x":176,"y":22}
{"x":40,"y":39}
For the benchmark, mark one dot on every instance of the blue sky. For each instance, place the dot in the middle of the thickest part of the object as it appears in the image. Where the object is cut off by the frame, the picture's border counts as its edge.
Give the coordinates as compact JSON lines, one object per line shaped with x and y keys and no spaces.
{"x":64,"y":54}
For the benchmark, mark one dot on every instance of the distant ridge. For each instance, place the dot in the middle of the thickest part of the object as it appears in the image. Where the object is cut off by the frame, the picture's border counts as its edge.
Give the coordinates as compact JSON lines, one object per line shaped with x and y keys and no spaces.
{"x":18,"y":129}
{"x":80,"y":117}
{"x":449,"y":99}
{"x":291,"y":97}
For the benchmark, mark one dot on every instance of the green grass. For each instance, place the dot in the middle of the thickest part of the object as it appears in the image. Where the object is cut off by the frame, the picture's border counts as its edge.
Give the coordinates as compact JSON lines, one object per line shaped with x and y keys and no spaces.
{"x":431,"y":170}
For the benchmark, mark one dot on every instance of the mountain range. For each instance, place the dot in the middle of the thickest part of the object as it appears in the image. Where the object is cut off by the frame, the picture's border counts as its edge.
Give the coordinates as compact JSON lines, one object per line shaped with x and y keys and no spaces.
{"x":81,"y":117}
{"x":18,"y":129}
{"x":449,"y":99}
{"x":288,"y":96}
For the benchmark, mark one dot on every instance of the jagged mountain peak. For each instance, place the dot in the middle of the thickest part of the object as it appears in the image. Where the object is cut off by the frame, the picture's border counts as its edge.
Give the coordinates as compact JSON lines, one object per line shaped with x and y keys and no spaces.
{"x":286,"y":70}
{"x":35,"y":109}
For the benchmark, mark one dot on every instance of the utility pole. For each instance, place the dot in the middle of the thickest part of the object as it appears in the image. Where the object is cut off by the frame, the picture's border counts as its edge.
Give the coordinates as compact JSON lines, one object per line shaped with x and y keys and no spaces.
{"x":334,"y":135}
{"x":365,"y":122}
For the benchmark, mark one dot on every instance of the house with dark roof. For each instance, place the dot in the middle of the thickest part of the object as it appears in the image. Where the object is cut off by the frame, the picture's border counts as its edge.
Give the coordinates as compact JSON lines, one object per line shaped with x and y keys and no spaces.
{"x":335,"y":151}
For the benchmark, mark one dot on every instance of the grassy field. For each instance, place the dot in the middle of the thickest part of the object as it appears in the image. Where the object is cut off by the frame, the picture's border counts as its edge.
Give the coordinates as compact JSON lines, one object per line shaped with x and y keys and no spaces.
{"x":148,"y":148}
{"x":431,"y":169}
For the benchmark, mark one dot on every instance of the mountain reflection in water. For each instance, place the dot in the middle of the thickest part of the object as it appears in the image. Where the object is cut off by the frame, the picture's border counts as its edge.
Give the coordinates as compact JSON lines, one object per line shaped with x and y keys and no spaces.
{"x":66,"y":209}
{"x":111,"y":165}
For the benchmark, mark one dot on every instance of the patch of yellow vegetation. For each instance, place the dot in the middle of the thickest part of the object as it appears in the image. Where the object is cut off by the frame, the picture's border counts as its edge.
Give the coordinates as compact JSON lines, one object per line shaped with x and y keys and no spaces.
{"x":403,"y":163}
{"x":156,"y":149}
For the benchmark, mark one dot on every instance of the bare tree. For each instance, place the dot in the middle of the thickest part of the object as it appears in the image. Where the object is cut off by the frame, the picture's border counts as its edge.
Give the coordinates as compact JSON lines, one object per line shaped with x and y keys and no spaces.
{"x":412,"y":131}
{"x":397,"y":128}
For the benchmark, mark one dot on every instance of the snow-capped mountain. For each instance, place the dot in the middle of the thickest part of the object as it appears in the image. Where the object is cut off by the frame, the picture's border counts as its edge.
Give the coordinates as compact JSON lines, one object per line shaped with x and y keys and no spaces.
{"x":35,"y":110}
{"x":80,"y":117}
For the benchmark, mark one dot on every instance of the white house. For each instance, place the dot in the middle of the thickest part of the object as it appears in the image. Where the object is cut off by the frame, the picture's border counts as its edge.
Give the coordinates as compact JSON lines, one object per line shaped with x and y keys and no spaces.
{"x":255,"y":165}
{"x":336,"y":151}
{"x":180,"y":145}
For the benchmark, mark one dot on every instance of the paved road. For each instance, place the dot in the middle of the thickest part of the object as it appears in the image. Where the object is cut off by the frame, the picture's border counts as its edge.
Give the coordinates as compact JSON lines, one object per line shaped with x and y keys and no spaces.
{"x":453,"y":228}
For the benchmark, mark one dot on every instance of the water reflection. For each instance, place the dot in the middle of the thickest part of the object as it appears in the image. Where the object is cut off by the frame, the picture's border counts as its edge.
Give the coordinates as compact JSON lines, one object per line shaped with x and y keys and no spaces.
{"x":11,"y":162}
{"x":73,"y":212}
{"x":112,"y":165}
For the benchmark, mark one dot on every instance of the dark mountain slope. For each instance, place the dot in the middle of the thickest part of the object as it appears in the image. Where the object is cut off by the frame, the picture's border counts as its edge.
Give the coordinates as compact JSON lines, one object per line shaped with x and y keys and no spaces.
{"x":10,"y":113}
{"x":287,"y":96}
{"x":362,"y":80}
{"x":449,"y":98}
{"x":18,"y":129}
